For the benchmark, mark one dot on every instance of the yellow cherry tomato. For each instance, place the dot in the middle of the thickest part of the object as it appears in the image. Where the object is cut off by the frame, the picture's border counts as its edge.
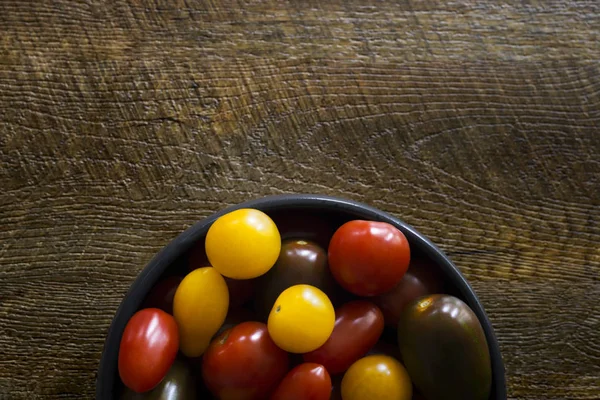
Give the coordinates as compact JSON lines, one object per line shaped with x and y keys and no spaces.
{"x":302,"y":319}
{"x":200,"y":307}
{"x":376,"y":377}
{"x":243,"y":244}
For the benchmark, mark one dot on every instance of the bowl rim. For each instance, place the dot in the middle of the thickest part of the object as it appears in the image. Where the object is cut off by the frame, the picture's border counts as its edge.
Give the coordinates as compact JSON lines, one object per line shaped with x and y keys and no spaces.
{"x":149,"y":275}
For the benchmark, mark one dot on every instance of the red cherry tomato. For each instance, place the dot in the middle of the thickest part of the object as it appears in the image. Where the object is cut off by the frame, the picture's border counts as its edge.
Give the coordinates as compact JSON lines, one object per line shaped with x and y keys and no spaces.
{"x":421,"y":279}
{"x":358,"y":326}
{"x":244,"y":363}
{"x":368,"y":258}
{"x":148,"y":348}
{"x":307,"y":381}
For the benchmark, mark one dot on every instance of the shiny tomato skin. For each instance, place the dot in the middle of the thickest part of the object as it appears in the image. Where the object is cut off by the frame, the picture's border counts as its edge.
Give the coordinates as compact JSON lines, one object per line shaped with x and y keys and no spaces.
{"x":376,"y":377}
{"x":148,"y":349}
{"x":200,"y":306}
{"x":358,"y":326}
{"x":243,"y":363}
{"x":368,"y":258}
{"x":308,"y":381}
{"x":302,"y":319}
{"x":243,"y":244}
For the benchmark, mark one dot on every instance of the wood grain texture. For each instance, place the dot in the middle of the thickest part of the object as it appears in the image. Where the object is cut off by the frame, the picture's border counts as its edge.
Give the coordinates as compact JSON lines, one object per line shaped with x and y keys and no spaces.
{"x":124,"y":122}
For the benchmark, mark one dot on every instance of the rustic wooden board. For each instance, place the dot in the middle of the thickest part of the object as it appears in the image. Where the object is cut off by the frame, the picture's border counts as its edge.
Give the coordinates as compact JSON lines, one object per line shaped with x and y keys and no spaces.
{"x":122,"y":123}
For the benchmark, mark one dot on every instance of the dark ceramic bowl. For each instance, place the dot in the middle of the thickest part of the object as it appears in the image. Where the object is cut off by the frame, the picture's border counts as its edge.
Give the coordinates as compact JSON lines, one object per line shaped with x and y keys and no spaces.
{"x":334,"y":210}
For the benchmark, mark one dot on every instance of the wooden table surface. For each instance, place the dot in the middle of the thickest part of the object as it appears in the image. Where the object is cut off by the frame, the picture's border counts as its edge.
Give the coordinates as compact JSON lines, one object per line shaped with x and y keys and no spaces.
{"x":124,"y":122}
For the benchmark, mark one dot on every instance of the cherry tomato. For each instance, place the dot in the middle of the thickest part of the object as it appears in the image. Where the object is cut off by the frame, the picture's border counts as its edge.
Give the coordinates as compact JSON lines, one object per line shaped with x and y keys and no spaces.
{"x":368,"y":258}
{"x":421,"y":279}
{"x":299,"y":262}
{"x":376,"y":377}
{"x":243,"y":363}
{"x":307,"y":381}
{"x":199,"y":307}
{"x":148,"y":348}
{"x":162,"y":294}
{"x":243,"y":244}
{"x":358,"y":326}
{"x":302,"y":319}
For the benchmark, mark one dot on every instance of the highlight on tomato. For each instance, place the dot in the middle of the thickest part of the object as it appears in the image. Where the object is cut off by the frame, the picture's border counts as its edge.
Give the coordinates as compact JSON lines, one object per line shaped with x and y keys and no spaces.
{"x":368,"y":258}
{"x":244,"y":363}
{"x":148,"y":349}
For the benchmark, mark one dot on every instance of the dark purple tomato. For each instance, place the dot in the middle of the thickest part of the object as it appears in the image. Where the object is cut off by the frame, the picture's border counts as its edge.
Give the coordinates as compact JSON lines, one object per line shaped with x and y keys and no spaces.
{"x":444,"y":349}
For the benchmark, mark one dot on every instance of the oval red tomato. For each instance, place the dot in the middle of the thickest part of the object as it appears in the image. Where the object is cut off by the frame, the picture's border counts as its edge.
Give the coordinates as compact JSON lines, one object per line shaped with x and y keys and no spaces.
{"x":243,"y":363}
{"x":368,"y":258}
{"x":307,"y":381}
{"x":358,"y":326}
{"x":148,"y":348}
